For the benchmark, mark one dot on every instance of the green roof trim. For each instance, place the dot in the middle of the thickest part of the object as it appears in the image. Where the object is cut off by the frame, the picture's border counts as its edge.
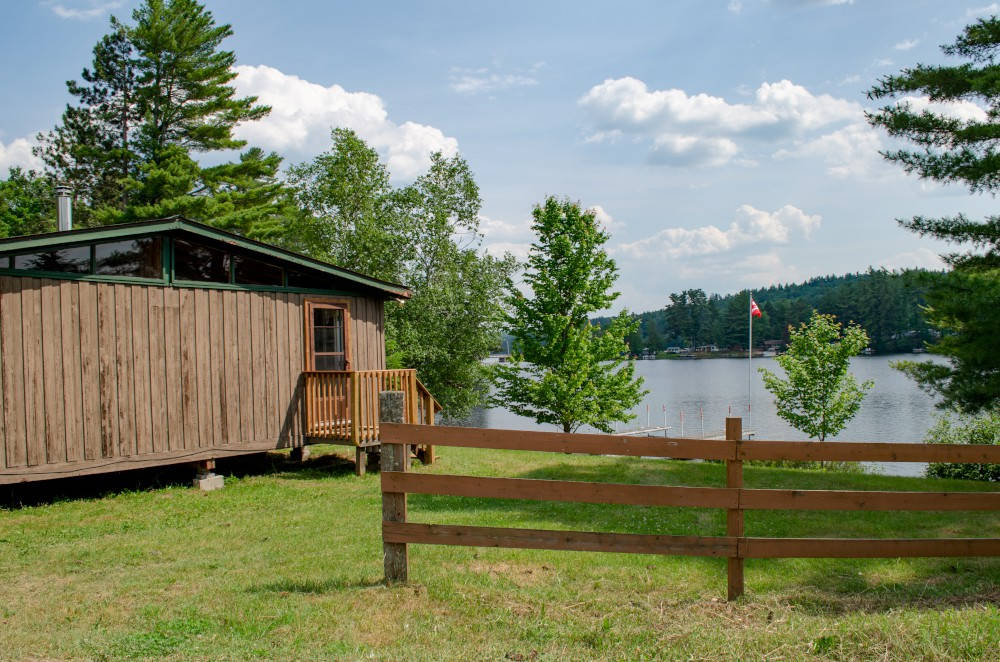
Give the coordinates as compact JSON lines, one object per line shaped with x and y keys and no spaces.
{"x":54,"y":240}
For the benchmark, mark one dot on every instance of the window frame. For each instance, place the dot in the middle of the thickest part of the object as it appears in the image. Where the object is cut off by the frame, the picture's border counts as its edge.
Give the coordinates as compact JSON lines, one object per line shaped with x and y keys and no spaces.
{"x":339,"y":303}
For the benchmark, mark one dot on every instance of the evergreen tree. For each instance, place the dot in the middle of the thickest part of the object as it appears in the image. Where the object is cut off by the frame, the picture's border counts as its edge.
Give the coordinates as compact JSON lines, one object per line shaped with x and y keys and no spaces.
{"x":950,"y":149}
{"x":158,"y":91}
{"x":564,"y":371}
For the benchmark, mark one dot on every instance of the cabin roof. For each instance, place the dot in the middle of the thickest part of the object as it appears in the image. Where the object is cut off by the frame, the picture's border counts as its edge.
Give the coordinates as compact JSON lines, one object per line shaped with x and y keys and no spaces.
{"x":179,"y":226}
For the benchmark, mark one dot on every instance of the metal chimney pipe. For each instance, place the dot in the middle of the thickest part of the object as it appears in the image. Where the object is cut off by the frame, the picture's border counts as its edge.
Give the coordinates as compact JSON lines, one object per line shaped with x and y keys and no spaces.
{"x":64,"y":194}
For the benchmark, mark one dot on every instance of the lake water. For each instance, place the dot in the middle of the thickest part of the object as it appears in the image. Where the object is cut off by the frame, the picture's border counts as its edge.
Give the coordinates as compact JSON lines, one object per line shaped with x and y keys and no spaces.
{"x":683,"y":394}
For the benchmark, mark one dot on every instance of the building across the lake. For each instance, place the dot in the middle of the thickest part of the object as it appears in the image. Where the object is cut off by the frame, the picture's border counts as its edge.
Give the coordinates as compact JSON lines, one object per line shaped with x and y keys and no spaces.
{"x":170,"y":341}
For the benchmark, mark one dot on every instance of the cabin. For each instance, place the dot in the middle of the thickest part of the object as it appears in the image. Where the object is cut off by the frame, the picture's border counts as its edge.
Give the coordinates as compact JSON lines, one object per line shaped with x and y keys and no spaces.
{"x":170,"y":341}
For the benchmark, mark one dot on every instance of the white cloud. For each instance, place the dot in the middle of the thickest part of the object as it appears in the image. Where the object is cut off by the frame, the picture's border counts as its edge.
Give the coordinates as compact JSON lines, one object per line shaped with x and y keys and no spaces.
{"x":18,"y":153}
{"x":607,"y":221}
{"x":476,"y":81}
{"x":960,"y":110}
{"x":699,"y":129}
{"x":84,"y":11}
{"x":751,"y":226}
{"x":922,"y":258}
{"x":850,"y":80}
{"x":992,"y":8}
{"x":302,"y":114}
{"x":501,"y":236}
{"x":850,"y":151}
{"x":906,"y":44}
{"x":883,"y":62}
{"x":735,"y":6}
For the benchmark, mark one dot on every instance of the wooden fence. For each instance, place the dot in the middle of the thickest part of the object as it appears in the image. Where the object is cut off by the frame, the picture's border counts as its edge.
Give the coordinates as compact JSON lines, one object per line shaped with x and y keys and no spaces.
{"x":735,"y":546}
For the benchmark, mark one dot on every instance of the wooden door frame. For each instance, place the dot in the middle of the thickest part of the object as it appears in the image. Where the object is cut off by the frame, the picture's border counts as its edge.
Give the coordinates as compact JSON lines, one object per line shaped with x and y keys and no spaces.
{"x":309,"y":304}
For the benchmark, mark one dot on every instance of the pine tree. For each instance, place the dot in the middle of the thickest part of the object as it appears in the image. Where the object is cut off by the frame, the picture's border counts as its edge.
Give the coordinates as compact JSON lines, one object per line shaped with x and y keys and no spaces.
{"x":158,"y":91}
{"x":962,"y":150}
{"x":565,"y":371}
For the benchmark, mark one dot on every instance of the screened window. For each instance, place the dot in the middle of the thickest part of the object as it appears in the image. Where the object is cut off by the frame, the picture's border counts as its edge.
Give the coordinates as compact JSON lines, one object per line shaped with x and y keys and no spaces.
{"x":310,"y":281}
{"x":200,"y":263}
{"x":248,"y":271}
{"x":75,"y":260}
{"x":142,"y":258}
{"x":328,"y":337}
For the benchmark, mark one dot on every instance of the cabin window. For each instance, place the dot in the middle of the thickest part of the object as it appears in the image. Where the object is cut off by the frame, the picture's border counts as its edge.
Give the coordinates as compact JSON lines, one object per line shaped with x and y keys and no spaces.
{"x":74,"y":260}
{"x":328,"y":340}
{"x":310,"y":281}
{"x":200,"y":263}
{"x":248,"y":271}
{"x":141,"y":258}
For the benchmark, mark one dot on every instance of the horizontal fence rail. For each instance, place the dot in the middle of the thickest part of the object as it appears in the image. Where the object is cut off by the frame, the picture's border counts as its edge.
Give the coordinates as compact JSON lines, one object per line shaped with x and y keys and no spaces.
{"x":734,"y":498}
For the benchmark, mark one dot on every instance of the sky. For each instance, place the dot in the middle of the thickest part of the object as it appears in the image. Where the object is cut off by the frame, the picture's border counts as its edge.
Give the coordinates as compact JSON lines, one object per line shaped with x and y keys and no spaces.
{"x":722,"y":143}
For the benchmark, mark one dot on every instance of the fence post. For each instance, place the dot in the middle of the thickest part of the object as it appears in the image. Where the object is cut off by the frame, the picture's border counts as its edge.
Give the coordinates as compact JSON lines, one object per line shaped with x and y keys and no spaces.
{"x":734,"y":516}
{"x":395,"y":457}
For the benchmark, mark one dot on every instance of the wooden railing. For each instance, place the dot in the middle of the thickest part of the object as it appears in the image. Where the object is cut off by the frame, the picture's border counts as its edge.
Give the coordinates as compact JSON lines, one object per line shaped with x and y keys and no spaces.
{"x":735,"y":546}
{"x":342,"y":405}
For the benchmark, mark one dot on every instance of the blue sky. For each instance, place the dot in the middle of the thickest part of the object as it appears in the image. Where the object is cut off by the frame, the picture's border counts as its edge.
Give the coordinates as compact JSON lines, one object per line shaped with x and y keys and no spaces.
{"x":722,"y":143}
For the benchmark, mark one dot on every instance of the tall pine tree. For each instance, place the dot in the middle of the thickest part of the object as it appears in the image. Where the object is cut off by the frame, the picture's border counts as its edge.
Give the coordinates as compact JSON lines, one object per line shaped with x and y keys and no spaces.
{"x":963,"y":303}
{"x":158,"y":92}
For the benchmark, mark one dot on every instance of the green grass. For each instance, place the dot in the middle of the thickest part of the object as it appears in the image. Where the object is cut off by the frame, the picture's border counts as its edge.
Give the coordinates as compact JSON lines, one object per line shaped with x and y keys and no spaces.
{"x":285,"y":563}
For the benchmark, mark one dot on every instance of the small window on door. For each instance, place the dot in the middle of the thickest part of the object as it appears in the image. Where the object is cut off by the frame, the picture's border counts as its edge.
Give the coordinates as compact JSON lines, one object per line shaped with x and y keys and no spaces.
{"x":328,"y":337}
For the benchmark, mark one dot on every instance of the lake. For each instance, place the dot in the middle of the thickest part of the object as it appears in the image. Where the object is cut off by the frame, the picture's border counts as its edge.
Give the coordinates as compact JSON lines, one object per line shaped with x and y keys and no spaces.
{"x":684,"y":393}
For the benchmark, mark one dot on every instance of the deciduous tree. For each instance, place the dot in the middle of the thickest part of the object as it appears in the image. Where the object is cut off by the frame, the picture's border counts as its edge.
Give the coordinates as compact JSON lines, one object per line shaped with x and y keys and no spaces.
{"x":818,"y":395}
{"x":565,"y":371}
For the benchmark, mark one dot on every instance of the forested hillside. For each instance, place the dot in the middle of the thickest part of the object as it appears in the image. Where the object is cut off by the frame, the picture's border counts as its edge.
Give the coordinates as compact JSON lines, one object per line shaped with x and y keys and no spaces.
{"x":886,"y":303}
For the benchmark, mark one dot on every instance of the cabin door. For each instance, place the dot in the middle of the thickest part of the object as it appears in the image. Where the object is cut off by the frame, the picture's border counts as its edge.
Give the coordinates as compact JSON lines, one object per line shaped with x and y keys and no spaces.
{"x":328,"y":341}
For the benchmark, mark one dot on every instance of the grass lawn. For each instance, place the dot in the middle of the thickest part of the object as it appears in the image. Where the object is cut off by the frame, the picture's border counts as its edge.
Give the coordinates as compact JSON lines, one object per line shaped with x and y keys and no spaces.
{"x":285,"y":563}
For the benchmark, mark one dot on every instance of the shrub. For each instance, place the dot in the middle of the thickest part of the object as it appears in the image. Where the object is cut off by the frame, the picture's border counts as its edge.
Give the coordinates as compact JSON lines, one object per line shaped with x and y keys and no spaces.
{"x":981,"y":429}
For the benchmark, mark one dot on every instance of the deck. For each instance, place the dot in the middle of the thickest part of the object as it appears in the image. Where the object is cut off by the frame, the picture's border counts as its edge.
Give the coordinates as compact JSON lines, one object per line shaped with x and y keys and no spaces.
{"x":342,"y":405}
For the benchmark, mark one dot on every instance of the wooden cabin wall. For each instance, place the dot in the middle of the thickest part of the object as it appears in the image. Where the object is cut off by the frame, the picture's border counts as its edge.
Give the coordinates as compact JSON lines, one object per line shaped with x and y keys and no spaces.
{"x":94,"y":374}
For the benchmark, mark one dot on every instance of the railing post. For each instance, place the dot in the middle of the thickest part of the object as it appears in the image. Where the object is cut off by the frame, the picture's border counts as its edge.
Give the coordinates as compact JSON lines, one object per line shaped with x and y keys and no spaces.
{"x":355,"y":409}
{"x":734,"y":516}
{"x":395,"y":457}
{"x":429,"y":415}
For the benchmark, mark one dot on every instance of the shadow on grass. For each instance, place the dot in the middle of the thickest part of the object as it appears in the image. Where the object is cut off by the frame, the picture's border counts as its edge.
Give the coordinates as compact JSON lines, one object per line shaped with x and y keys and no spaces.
{"x":173,"y":475}
{"x":838,"y":586}
{"x":313,"y":587}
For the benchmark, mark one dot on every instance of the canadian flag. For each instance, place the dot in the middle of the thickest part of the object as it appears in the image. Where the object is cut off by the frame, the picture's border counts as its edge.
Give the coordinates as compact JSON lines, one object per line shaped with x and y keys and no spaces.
{"x":754,"y":310}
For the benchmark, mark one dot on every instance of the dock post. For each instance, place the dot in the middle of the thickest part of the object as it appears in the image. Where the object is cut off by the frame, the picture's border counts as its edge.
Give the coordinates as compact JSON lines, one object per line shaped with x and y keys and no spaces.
{"x":734,"y":516}
{"x":395,"y":457}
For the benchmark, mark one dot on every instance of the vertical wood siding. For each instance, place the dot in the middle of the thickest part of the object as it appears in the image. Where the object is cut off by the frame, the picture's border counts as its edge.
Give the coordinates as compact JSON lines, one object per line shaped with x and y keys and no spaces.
{"x":91,"y":371}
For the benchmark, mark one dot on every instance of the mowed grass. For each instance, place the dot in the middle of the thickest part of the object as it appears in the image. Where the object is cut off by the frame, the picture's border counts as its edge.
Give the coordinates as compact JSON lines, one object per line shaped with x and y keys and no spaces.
{"x":286,"y":563}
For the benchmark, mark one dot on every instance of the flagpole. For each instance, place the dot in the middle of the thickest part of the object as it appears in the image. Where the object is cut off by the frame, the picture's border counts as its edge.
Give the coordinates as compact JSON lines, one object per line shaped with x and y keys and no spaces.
{"x":750,"y":364}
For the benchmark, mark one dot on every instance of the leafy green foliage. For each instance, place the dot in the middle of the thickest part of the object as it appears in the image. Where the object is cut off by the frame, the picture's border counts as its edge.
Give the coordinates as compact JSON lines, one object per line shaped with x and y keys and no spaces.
{"x":962,"y":150}
{"x":353,"y":217}
{"x":564,"y":370}
{"x":27,"y":204}
{"x":818,"y":395}
{"x":425,"y":235}
{"x":982,"y":429}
